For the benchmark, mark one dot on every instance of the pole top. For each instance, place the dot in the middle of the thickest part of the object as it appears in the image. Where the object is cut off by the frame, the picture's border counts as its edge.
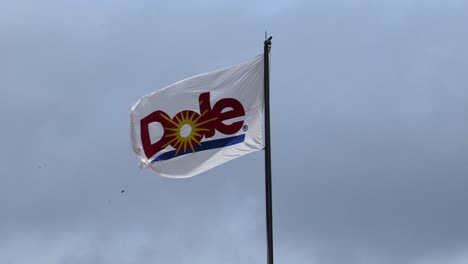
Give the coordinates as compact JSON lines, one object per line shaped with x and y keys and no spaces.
{"x":268,"y":41}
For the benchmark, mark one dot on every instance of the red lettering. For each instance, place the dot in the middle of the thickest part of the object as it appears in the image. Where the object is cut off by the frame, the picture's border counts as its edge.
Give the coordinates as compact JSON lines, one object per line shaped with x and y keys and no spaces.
{"x":236,"y":111}
{"x":152,"y":149}
{"x":205,"y":111}
{"x":209,"y":119}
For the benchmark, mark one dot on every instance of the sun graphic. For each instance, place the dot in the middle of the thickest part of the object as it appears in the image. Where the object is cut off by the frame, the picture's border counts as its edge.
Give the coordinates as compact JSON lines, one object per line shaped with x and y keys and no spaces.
{"x":186,"y":131}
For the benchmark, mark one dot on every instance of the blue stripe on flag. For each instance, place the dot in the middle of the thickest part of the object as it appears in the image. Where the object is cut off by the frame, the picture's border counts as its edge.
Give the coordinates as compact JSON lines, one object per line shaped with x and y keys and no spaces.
{"x":217,"y":143}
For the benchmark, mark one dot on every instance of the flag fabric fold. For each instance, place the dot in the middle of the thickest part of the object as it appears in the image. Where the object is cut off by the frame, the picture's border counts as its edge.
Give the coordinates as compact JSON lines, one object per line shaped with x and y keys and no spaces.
{"x":201,"y":122}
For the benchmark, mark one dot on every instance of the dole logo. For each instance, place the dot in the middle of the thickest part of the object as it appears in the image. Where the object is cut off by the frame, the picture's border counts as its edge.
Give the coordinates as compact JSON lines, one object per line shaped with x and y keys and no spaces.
{"x":185,"y":131}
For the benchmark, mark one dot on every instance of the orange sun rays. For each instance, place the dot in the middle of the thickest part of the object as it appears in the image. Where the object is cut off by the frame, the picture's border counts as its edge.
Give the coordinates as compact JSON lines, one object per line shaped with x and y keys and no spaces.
{"x":180,"y":142}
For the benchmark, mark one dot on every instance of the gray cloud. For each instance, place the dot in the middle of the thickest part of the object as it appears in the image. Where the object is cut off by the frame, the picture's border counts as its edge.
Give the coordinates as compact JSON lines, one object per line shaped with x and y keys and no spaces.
{"x":369,"y":133}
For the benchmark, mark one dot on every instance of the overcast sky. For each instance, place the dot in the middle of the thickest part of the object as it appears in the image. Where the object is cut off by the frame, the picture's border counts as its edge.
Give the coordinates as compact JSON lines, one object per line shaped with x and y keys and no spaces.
{"x":369,"y":132}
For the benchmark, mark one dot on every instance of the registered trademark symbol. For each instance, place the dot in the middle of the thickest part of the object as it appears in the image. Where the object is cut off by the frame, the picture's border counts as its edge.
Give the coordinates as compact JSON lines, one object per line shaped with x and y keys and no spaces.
{"x":245,"y":127}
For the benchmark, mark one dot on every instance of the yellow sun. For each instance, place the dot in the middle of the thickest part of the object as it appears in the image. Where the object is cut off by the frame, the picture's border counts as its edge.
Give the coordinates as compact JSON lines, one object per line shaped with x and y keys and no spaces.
{"x":186,"y":131}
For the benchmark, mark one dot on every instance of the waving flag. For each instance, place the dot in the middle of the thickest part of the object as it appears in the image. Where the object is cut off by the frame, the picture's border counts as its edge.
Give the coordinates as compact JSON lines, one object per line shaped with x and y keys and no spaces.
{"x":201,"y":122}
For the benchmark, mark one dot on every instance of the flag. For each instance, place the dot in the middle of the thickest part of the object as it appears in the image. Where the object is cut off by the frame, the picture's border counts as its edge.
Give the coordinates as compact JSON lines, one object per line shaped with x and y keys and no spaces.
{"x":201,"y":122}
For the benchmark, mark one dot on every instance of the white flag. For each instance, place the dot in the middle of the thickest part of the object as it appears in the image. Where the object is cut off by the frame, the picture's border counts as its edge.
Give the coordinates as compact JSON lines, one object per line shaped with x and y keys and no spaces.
{"x":201,"y":122}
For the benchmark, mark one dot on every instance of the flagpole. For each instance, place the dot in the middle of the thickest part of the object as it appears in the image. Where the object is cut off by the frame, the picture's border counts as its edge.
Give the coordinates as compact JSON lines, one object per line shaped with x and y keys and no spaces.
{"x":269,"y":205}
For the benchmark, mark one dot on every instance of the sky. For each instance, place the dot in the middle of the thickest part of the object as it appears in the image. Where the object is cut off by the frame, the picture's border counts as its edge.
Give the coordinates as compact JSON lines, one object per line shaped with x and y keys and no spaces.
{"x":369,"y":132}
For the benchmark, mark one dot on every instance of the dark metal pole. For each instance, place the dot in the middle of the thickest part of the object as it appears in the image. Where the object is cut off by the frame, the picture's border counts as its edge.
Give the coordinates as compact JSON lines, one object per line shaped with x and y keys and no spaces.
{"x":269,"y":207}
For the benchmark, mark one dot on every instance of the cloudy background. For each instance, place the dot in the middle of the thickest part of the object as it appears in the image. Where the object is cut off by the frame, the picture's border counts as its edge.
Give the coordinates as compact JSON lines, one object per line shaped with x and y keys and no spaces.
{"x":369,"y":119}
